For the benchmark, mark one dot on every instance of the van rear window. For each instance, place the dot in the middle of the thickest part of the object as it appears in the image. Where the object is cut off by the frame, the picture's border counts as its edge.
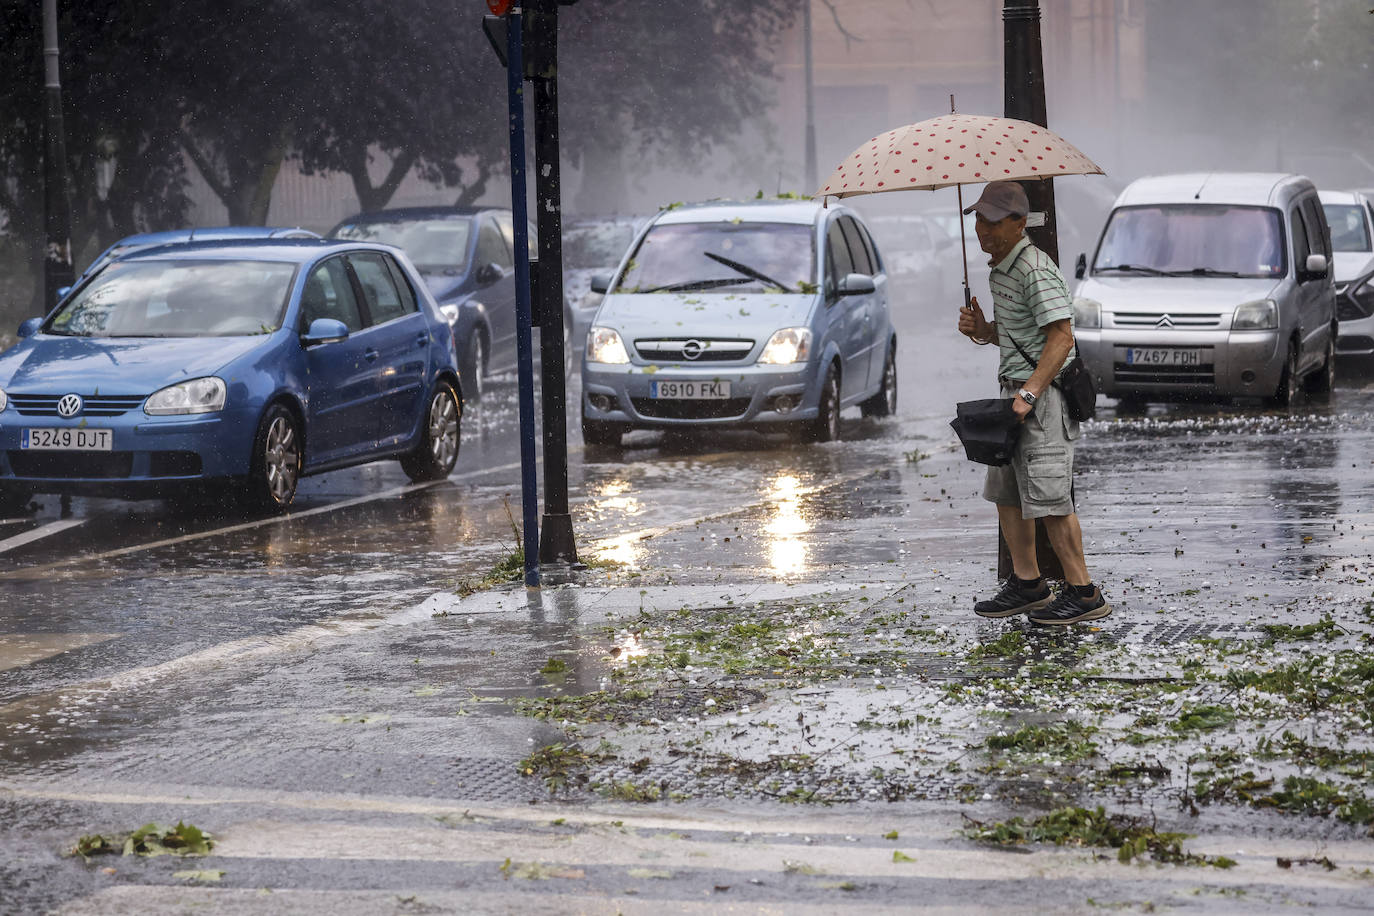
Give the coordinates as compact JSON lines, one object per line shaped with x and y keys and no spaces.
{"x":1193,"y":240}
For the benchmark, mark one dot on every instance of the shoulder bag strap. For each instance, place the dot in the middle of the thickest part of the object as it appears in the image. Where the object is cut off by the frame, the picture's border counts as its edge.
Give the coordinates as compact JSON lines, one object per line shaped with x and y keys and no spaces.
{"x":1022,"y":350}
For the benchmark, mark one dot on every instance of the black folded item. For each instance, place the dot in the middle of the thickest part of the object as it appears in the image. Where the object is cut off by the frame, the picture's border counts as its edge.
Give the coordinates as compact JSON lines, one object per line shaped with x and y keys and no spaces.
{"x":988,"y":429}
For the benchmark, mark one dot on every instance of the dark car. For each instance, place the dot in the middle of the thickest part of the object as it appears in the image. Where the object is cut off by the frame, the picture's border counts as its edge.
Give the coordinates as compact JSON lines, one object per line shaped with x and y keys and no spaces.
{"x":466,"y":257}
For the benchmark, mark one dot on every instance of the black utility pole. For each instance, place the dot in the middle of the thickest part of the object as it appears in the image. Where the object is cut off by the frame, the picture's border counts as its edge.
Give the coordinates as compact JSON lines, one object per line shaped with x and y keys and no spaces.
{"x":1024,"y":85}
{"x":57,"y":227}
{"x":556,"y":543}
{"x":1023,"y":73}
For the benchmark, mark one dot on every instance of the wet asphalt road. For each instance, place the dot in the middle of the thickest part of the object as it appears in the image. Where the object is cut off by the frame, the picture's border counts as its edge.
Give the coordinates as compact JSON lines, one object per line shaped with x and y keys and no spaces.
{"x":312,"y":690}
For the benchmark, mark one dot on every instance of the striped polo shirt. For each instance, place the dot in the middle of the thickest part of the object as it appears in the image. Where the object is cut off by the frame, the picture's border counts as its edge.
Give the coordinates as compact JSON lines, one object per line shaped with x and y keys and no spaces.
{"x":1028,"y":292}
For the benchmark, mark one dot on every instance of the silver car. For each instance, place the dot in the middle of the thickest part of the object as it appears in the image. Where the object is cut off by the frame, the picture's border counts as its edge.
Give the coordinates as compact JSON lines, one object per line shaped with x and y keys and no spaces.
{"x":765,"y":314}
{"x":1210,"y":284}
{"x":1351,"y":215}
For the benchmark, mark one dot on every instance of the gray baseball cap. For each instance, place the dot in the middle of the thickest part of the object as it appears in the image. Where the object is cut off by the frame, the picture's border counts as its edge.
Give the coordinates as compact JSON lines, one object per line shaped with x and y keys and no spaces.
{"x":1001,"y":199}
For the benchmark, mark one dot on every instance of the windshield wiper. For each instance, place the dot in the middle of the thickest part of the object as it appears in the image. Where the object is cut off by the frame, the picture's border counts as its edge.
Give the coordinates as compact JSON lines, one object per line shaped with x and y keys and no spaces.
{"x":748,"y":271}
{"x":693,"y":284}
{"x":1134,"y":269}
{"x":1205,"y":272}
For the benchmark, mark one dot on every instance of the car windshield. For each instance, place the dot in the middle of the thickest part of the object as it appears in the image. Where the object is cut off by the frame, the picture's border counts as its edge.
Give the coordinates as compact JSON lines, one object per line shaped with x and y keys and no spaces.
{"x":1197,"y":239}
{"x":694,"y":256}
{"x":1349,"y":231}
{"x":434,"y":246}
{"x":178,"y":299}
{"x":601,"y":245}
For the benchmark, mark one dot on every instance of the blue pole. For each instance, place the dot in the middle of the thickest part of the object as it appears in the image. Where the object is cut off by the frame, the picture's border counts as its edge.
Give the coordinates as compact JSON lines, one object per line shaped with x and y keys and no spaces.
{"x":515,"y":90}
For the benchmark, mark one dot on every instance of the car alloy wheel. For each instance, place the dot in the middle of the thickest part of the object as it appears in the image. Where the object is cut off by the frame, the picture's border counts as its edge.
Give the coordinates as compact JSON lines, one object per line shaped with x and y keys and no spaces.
{"x":276,"y":460}
{"x":475,"y":367}
{"x":1286,"y":395}
{"x":437,"y":451}
{"x":884,"y":401}
{"x":826,"y":426}
{"x":1323,"y":381}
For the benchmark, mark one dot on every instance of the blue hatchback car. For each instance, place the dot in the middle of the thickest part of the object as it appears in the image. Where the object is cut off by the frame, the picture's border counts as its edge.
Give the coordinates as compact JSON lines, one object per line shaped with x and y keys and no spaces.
{"x":246,"y":364}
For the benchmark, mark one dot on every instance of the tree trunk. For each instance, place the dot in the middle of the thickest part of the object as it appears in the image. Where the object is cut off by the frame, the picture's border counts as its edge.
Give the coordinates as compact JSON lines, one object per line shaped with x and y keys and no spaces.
{"x":372,"y":197}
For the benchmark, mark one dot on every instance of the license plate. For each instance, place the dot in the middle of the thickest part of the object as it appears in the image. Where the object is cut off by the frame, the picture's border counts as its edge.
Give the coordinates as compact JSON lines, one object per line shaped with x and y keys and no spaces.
{"x":694,"y":390}
{"x":67,"y":440}
{"x":1166,"y":356}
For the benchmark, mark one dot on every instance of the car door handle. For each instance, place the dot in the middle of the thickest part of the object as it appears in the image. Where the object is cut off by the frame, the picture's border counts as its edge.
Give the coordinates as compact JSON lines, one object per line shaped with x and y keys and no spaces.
{"x":421,"y":339}
{"x":370,"y":355}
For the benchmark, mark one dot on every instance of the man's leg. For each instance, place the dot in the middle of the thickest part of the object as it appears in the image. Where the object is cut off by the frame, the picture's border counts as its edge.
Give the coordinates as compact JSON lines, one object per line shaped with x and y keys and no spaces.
{"x":1067,"y":539}
{"x":1020,"y":535}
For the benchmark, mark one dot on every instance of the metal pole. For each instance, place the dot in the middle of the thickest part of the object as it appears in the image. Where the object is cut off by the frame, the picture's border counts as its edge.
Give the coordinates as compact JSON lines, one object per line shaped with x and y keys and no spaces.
{"x":811,"y":178}
{"x":1024,"y":85}
{"x":556,"y":542}
{"x":57,"y":229}
{"x":529,"y":495}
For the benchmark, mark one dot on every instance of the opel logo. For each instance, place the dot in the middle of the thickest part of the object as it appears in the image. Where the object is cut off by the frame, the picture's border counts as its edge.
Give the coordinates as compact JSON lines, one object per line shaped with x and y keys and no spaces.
{"x":1164,"y":322}
{"x":692,"y":349}
{"x":69,"y":405}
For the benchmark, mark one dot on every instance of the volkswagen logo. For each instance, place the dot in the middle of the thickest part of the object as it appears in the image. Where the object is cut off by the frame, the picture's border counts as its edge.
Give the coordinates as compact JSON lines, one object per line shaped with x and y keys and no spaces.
{"x":1164,"y":322}
{"x":69,"y":405}
{"x":692,"y":349}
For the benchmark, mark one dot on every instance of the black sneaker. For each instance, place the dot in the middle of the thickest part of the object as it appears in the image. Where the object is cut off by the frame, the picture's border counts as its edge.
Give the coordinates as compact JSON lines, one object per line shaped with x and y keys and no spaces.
{"x":1014,"y":598}
{"x":1071,"y":607}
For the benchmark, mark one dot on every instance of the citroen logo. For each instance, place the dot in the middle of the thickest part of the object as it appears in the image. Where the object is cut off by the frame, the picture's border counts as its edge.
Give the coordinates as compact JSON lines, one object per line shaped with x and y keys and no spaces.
{"x":1164,"y":322}
{"x":69,"y":405}
{"x":692,"y":349}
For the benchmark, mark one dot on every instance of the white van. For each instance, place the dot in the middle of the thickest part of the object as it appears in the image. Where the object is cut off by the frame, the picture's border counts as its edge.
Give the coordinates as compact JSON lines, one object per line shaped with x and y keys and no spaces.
{"x":1210,"y":285}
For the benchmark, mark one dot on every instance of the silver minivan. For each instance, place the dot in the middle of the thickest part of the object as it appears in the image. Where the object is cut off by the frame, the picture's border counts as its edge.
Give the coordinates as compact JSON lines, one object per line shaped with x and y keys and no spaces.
{"x":1210,"y":285}
{"x":767,"y":314}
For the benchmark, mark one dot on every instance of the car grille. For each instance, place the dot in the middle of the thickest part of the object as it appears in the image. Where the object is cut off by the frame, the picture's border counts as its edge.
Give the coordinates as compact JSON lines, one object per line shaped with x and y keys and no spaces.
{"x":675,"y":409}
{"x":71,"y":465}
{"x":1165,"y":320}
{"x":708,"y":350}
{"x":96,"y":405}
{"x":1348,"y":308}
{"x":1356,"y":342}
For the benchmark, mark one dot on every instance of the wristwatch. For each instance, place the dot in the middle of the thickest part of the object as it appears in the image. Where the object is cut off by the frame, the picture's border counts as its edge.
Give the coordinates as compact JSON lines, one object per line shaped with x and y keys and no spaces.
{"x":1026,"y":396}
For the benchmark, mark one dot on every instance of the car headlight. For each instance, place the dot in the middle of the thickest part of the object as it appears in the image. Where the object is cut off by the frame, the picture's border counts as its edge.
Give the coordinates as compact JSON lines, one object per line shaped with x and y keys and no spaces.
{"x":199,"y":395}
{"x":1087,"y":313}
{"x":4,"y":399}
{"x":789,"y":345}
{"x":605,"y":346}
{"x":1260,"y":315}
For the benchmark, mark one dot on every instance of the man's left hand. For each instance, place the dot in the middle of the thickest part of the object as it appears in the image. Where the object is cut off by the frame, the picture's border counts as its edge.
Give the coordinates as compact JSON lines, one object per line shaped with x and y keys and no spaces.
{"x":1021,"y":408}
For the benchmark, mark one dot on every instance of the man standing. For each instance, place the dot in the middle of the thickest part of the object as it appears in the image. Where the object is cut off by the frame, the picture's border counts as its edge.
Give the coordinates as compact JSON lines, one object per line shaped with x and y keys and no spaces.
{"x":1032,"y":308}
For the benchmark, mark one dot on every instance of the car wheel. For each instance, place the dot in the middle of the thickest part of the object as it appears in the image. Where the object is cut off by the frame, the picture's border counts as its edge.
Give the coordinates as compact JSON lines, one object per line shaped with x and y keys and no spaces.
{"x":826,"y":426}
{"x":276,"y":466}
{"x":474,"y":367}
{"x":884,"y":403}
{"x":601,"y":433}
{"x":1321,"y":382}
{"x":1286,"y":395}
{"x":437,"y":451}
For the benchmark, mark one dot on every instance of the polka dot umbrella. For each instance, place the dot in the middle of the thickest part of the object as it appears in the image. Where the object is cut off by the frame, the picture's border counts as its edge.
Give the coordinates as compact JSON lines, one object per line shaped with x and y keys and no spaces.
{"x":955,"y":149}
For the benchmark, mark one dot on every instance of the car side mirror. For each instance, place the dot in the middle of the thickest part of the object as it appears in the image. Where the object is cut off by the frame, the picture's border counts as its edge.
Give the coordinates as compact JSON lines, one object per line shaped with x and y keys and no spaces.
{"x":488,"y":274}
{"x":1080,"y":267}
{"x":601,"y":283}
{"x":30,"y":327}
{"x":325,"y":331}
{"x":1315,"y":268}
{"x":856,"y":285}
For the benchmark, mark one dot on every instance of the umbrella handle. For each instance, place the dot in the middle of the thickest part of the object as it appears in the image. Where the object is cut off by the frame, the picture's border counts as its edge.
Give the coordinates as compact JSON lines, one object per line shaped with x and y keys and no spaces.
{"x":963,"y":243}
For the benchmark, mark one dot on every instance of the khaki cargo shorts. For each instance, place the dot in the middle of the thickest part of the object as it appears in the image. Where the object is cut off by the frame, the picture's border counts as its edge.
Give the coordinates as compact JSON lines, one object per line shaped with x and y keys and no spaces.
{"x":1039,"y":478}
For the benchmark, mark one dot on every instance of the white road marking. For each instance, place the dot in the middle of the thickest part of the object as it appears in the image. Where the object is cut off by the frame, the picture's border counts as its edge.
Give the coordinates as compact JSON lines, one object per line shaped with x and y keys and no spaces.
{"x":37,"y":534}
{"x":228,"y":529}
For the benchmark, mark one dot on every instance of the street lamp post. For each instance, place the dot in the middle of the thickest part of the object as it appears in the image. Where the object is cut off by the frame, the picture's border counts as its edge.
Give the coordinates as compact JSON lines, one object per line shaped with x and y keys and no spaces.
{"x":57,"y":229}
{"x":1023,"y":71}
